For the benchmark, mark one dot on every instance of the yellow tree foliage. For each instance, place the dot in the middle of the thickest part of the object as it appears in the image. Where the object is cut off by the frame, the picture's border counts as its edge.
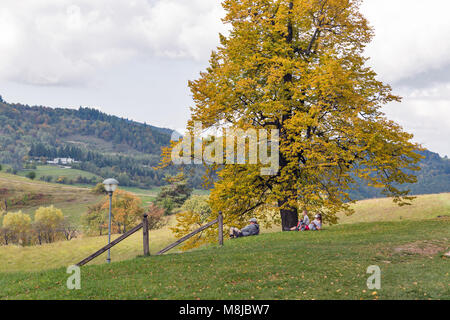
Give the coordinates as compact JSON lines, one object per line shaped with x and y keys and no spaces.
{"x":18,"y":225}
{"x":298,"y":66}
{"x":127,"y":210}
{"x":49,"y":217}
{"x":48,"y":222}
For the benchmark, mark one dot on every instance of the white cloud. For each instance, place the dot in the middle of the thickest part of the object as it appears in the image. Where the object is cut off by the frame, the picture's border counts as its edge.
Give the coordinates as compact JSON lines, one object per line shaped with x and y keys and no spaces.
{"x":426,"y":114}
{"x":411,"y":37}
{"x":66,"y":41}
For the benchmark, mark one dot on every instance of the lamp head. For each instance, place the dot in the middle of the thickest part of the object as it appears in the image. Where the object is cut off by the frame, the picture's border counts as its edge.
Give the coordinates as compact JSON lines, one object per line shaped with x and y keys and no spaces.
{"x":110,"y":185}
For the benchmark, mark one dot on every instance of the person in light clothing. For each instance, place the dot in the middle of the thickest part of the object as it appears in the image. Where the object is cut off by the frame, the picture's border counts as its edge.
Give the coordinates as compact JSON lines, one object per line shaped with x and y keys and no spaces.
{"x":316,"y":224}
{"x":251,"y":230}
{"x":303,"y":224}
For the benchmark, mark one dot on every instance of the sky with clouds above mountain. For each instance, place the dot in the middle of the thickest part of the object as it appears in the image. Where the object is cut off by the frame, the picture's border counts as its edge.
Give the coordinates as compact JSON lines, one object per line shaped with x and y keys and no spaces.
{"x":134,"y":58}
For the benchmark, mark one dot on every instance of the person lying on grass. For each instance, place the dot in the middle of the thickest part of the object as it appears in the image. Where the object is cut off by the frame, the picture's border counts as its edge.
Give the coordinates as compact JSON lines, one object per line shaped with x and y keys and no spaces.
{"x":302,"y":224}
{"x":250,"y":230}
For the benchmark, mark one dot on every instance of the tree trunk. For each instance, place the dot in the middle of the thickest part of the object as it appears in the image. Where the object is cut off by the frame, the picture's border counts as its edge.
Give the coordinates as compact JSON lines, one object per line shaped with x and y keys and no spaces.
{"x":289,"y":216}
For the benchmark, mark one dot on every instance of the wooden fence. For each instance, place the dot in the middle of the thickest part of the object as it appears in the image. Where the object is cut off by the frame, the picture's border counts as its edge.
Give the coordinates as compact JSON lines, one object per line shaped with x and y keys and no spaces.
{"x":145,"y":233}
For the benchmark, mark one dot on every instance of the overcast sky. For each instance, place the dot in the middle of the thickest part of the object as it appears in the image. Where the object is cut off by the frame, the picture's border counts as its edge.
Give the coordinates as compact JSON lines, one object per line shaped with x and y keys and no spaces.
{"x":133,"y":58}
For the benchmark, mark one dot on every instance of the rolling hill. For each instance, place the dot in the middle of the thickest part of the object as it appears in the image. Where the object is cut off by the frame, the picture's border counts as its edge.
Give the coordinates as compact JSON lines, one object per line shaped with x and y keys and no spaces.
{"x":331,"y":264}
{"x":109,"y":146}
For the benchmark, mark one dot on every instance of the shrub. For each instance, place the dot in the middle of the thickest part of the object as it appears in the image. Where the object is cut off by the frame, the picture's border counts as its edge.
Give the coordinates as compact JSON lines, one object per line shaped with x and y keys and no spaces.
{"x":18,"y":226}
{"x":47,"y":223}
{"x":95,"y":219}
{"x":31,"y":175}
{"x":126,"y":209}
{"x":193,"y":214}
{"x":99,"y":189}
{"x":173,"y":196}
{"x":155,"y":217}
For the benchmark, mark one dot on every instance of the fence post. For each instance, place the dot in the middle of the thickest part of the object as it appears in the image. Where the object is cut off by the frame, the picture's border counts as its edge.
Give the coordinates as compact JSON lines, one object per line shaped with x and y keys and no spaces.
{"x":220,"y":228}
{"x":145,"y":234}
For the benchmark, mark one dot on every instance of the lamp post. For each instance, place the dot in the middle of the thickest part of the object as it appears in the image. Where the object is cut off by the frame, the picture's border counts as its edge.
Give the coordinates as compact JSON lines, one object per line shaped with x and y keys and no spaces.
{"x":110,"y":187}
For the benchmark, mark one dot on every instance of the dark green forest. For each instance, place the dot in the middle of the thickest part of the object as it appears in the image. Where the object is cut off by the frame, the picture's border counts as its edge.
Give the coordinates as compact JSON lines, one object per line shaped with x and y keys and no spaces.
{"x":110,"y":146}
{"x":106,"y":145}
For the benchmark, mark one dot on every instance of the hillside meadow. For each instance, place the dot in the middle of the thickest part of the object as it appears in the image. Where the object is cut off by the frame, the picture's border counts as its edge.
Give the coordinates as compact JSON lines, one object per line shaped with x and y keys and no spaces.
{"x":407,"y":243}
{"x":285,"y":265}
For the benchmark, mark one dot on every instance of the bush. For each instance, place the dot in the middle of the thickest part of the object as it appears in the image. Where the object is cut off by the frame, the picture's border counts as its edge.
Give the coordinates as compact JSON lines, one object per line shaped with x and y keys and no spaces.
{"x":46,"y":178}
{"x":31,"y":175}
{"x":173,"y":196}
{"x":193,"y":214}
{"x":198,"y":205}
{"x":47,"y":223}
{"x":155,"y":217}
{"x":17,"y":227}
{"x":95,"y":219}
{"x":99,"y":189}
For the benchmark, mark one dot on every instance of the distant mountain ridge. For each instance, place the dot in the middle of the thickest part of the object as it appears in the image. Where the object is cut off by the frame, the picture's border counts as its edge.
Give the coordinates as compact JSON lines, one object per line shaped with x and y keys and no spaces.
{"x":113,"y":146}
{"x":110,"y":146}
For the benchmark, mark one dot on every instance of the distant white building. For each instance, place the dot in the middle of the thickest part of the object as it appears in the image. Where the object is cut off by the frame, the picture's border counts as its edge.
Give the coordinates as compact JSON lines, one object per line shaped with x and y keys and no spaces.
{"x":63,"y":161}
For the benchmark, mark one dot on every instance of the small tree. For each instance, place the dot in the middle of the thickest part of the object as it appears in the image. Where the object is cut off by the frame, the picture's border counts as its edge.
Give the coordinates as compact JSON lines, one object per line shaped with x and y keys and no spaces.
{"x":155,"y":217}
{"x":31,"y":175}
{"x":127,"y":210}
{"x":48,"y":221}
{"x":68,"y":229}
{"x":18,"y":226}
{"x":193,"y":213}
{"x":95,"y":219}
{"x":173,"y":196}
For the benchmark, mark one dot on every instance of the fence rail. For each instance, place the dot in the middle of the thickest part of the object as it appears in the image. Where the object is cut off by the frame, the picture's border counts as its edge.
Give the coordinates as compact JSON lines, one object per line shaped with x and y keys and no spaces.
{"x":145,"y":233}
{"x":116,"y":241}
{"x":187,"y":237}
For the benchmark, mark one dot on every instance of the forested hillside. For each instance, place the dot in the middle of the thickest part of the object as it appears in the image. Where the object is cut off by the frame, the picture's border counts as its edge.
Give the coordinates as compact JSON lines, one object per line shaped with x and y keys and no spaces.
{"x":110,"y":146}
{"x":434,"y":177}
{"x":103,"y":144}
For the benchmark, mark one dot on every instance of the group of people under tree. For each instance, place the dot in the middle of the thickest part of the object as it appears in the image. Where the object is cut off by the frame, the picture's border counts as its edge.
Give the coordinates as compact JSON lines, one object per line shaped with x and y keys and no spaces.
{"x":303,"y":225}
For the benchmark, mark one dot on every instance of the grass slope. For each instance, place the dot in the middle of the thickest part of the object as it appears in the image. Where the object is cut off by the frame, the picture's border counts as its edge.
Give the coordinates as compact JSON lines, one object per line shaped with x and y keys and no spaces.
{"x":323,"y":265}
{"x":423,"y":207}
{"x":27,"y":195}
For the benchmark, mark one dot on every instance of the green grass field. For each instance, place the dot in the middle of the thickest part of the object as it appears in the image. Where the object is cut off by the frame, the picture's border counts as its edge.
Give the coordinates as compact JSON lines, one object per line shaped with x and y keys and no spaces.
{"x":406,"y":242}
{"x":58,"y":171}
{"x":323,"y":265}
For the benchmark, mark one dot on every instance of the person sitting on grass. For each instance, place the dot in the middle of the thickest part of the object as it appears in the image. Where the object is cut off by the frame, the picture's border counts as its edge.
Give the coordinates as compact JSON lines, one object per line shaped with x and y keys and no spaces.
{"x":250,"y":230}
{"x":303,"y":224}
{"x":316,"y":224}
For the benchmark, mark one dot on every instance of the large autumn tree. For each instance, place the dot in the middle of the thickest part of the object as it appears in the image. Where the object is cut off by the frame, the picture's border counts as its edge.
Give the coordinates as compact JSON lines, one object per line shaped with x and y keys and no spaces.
{"x":298,"y":66}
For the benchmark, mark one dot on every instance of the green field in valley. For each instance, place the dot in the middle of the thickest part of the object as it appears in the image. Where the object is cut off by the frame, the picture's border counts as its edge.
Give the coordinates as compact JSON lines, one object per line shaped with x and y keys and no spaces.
{"x":58,"y":171}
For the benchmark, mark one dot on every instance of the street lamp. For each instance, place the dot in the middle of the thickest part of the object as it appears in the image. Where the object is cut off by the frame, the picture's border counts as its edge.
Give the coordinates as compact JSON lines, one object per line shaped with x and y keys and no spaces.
{"x":110,"y":187}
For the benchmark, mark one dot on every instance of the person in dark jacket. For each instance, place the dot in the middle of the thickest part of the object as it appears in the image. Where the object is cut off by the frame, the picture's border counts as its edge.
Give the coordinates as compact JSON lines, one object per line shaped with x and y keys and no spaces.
{"x":251,"y":230}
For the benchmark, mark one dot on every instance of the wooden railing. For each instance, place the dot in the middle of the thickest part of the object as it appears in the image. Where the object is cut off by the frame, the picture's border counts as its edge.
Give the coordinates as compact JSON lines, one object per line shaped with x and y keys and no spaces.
{"x":144,"y":226}
{"x":219,"y":221}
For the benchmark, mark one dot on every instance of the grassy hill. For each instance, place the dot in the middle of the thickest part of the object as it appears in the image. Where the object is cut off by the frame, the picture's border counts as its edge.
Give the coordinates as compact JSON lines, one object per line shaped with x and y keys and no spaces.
{"x":27,"y":195}
{"x":423,"y":207}
{"x":324,"y":265}
{"x":403,"y":241}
